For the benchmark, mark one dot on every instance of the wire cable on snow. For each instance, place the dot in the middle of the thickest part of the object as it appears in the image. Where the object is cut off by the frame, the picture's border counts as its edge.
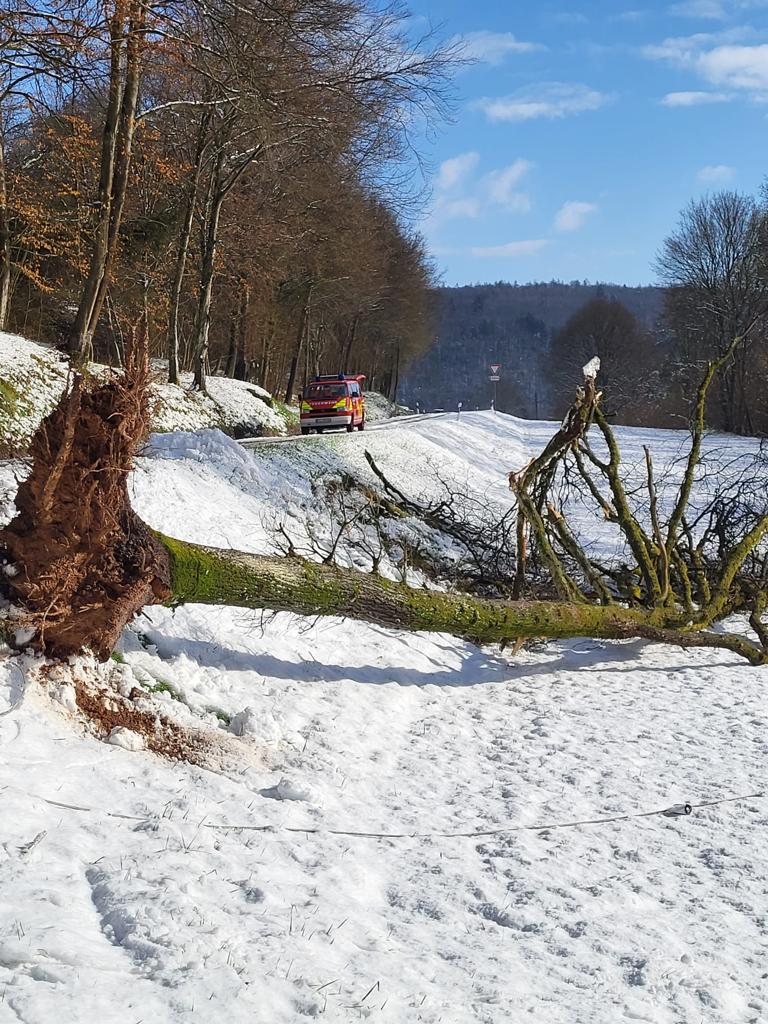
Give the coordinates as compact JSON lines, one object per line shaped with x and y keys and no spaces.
{"x":674,"y":811}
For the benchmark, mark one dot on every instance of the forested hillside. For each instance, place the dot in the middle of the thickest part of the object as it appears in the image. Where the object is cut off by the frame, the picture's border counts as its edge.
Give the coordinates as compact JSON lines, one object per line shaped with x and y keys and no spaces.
{"x":513,"y":325}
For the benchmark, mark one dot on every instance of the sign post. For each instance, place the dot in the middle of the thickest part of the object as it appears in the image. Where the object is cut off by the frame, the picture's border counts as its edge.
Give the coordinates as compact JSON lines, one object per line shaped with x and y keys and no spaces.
{"x":494,"y":378}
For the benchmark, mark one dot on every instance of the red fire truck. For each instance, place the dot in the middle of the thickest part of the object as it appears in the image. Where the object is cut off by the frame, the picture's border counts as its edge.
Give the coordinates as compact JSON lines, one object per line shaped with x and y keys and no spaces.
{"x":333,"y":400}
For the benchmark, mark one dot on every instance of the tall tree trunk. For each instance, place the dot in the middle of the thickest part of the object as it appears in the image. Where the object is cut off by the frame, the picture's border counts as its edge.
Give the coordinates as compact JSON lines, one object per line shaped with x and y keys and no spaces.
{"x":242,"y":362}
{"x":349,"y":342}
{"x":214,"y":203}
{"x":300,"y":333}
{"x":126,"y":46}
{"x":234,"y":343}
{"x":201,"y":575}
{"x":5,"y":236}
{"x":395,"y":378}
{"x":183,"y":252}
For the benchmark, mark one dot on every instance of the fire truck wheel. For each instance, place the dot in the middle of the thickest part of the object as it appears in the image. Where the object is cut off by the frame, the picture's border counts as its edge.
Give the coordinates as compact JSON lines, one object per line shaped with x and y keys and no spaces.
{"x":305,"y":430}
{"x":361,"y":424}
{"x":350,"y":427}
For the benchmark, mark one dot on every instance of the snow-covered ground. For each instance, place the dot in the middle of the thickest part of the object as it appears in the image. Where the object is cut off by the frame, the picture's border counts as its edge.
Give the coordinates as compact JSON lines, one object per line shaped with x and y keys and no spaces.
{"x":139,"y":889}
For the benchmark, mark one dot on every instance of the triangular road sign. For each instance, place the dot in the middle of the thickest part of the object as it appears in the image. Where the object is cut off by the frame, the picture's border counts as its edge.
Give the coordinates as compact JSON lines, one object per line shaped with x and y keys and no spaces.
{"x":495,"y":367}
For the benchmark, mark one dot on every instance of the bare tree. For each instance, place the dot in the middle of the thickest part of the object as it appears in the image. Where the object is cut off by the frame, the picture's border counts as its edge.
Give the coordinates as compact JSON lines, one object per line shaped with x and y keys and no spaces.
{"x":604,"y":328}
{"x":715,"y":266}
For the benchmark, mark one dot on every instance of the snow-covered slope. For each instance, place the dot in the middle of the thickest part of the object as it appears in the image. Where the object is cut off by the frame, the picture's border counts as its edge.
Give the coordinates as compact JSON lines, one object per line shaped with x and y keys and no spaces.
{"x":32,"y":376}
{"x":135,"y":888}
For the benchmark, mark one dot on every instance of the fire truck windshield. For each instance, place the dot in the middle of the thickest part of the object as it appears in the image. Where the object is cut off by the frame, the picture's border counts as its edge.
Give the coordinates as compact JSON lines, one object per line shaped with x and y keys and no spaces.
{"x":318,"y":392}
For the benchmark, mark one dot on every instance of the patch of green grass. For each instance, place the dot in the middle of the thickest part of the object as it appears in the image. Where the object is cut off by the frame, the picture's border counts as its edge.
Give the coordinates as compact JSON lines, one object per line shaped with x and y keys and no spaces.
{"x":221,"y":715}
{"x":118,"y":657}
{"x":163,"y":687}
{"x":289,"y":414}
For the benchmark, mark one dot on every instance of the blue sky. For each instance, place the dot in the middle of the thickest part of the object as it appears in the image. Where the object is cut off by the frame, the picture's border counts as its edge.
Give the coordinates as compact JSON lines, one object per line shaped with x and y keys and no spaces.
{"x":582,"y":131}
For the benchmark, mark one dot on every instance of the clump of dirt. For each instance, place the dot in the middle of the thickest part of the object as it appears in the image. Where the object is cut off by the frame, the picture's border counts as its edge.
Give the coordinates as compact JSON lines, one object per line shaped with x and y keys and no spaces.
{"x":79,"y":560}
{"x":107,"y":710}
{"x":102,"y":708}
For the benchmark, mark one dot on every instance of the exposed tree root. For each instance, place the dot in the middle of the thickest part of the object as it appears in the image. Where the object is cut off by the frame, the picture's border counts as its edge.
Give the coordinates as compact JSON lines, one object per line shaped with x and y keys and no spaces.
{"x":83,"y":563}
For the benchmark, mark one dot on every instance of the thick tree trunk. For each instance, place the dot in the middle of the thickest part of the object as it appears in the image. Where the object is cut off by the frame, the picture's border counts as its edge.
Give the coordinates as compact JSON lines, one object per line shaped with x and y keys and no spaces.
{"x":300,"y":333}
{"x":5,"y":237}
{"x":126,"y":43}
{"x":202,"y":575}
{"x":214,"y":203}
{"x":183,"y":251}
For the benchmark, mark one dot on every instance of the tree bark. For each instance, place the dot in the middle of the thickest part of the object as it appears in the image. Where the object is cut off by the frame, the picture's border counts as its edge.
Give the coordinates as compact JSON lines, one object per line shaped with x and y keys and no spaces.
{"x":236,"y":349}
{"x":126,"y":44}
{"x":212,"y":576}
{"x":5,"y":236}
{"x":349,"y":342}
{"x":242,"y":362}
{"x":183,"y":251}
{"x":302,"y":330}
{"x":214,"y":203}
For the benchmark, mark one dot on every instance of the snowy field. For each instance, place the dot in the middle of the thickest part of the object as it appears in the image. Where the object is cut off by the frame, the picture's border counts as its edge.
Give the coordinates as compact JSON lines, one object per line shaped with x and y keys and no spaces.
{"x":135,"y":889}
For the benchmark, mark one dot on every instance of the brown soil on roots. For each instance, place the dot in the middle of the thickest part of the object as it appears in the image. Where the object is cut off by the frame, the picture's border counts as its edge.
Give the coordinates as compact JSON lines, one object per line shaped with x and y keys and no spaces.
{"x":82,"y":563}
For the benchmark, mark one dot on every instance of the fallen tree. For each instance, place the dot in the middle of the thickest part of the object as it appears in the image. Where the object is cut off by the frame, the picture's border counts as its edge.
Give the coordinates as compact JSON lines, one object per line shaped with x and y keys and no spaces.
{"x":79,"y":563}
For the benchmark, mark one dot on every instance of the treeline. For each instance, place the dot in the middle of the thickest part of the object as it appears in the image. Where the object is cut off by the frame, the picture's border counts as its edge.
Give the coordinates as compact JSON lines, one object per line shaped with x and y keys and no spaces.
{"x":229,"y":172}
{"x":654,"y":343}
{"x":514,"y":325}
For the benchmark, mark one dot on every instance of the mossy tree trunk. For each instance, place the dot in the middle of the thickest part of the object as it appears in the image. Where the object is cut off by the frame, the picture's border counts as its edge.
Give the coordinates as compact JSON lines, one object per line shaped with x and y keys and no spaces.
{"x":213,"y":576}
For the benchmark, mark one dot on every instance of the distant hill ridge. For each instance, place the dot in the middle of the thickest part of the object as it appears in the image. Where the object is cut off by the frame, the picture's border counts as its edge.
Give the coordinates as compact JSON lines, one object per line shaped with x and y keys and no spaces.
{"x":510,"y":324}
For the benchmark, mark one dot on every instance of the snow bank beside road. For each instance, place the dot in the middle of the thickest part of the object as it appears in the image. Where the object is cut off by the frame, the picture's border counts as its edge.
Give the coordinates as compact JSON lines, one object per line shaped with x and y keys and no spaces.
{"x":32,"y":377}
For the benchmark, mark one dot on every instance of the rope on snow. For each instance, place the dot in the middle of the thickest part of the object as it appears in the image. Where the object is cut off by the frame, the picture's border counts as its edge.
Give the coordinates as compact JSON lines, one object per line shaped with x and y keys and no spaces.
{"x":674,"y":811}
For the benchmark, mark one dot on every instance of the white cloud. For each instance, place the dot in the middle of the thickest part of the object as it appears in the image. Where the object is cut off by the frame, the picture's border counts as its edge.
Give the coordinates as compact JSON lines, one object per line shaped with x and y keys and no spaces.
{"x":494,"y":47}
{"x":720,"y":59}
{"x":716,"y":10}
{"x":629,"y":16}
{"x":525,"y":248}
{"x":716,"y":174}
{"x":573,"y":215}
{"x":685,"y":50}
{"x":501,"y":187}
{"x":549,"y":100}
{"x":700,"y":9}
{"x":461,"y":196}
{"x":737,"y":67}
{"x":445,"y":209}
{"x":454,"y":171}
{"x":693,"y":99}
